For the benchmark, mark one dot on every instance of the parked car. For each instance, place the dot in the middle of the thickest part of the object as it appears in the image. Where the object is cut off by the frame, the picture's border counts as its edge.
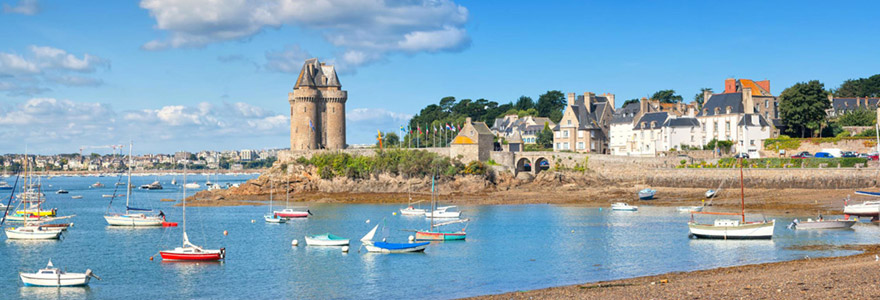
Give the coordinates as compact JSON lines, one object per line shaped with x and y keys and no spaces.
{"x":823,"y":155}
{"x":741,"y":155}
{"x":850,"y":154}
{"x":869,"y":156}
{"x":833,"y":152}
{"x":803,"y":154}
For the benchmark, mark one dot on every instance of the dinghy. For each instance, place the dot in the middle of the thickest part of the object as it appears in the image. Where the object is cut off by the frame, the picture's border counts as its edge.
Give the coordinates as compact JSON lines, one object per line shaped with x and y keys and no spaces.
{"x":327,"y":239}
{"x":686,"y":209}
{"x":384,"y":247}
{"x":822,"y":224}
{"x":54,"y":277}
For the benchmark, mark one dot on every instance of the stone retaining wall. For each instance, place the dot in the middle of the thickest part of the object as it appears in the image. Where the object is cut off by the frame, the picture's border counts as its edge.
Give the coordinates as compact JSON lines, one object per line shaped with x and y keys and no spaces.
{"x":842,"y":178}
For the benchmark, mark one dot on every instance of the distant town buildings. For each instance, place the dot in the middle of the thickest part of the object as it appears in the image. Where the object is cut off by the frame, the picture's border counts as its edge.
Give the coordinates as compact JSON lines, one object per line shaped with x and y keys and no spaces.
{"x":232,"y":159}
{"x":473,"y":142}
{"x":317,"y":108}
{"x":841,"y":106}
{"x":526,"y":127}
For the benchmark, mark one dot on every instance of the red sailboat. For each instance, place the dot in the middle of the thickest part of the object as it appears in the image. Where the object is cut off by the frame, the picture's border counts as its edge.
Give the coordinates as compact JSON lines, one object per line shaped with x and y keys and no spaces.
{"x":189,"y":251}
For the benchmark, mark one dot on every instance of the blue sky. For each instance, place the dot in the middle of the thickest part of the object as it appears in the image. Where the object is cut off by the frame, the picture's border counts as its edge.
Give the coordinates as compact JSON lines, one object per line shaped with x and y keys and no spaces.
{"x":173,"y":77}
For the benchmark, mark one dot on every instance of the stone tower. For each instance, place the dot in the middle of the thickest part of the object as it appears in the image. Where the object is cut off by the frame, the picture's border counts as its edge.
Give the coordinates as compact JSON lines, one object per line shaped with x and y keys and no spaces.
{"x":317,"y":108}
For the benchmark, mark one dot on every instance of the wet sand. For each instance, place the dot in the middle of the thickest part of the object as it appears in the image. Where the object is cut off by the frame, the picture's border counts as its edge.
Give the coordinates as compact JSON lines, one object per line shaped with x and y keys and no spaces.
{"x":848,"y":277}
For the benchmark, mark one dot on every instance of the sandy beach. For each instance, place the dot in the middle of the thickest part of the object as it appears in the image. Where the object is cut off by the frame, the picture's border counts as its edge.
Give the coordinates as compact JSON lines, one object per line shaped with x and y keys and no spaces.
{"x":848,"y":277}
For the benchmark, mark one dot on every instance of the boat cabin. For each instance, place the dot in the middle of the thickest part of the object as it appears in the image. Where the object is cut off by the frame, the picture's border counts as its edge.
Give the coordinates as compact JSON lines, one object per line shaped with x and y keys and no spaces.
{"x":722,"y":222}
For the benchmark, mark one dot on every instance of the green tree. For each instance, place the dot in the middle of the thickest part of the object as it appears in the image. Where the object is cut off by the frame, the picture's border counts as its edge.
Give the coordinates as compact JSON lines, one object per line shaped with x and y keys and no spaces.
{"x":545,"y":137}
{"x":802,"y":107}
{"x":862,"y":87}
{"x":550,"y":104}
{"x":861,"y":117}
{"x":627,"y":102}
{"x":447,"y":103}
{"x":667,"y":96}
{"x":699,"y":97}
{"x":391,"y":139}
{"x":524,"y":103}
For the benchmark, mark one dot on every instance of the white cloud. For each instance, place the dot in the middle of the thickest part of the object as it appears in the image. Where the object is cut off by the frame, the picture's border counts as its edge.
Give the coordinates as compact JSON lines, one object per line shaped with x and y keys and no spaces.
{"x":27,"y":75}
{"x":289,"y":60}
{"x":364,"y":31}
{"x":362,"y":123}
{"x":24,"y":7}
{"x":51,"y":122}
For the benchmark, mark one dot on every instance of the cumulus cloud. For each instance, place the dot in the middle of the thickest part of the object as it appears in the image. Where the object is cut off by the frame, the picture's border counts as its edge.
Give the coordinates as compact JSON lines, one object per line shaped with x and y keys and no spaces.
{"x":289,"y":60}
{"x":51,"y":122}
{"x":362,"y":123}
{"x":24,"y":7}
{"x":364,"y":31}
{"x":42,"y":67}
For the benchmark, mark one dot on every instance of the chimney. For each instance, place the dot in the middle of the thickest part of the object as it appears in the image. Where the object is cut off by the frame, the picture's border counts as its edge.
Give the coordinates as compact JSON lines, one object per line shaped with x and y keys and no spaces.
{"x":729,"y":85}
{"x":748,"y":103}
{"x":610,"y":98}
{"x":858,"y":102}
{"x":831,"y":99}
{"x":706,"y":95}
{"x":764,"y":84}
{"x":467,"y":120}
{"x":643,"y":106}
{"x":588,"y":101}
{"x":570,"y":99}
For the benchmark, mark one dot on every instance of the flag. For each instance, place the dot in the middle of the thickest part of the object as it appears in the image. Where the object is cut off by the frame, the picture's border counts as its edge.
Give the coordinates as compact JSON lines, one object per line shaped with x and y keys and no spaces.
{"x":402,"y":130}
{"x":447,"y":127}
{"x":435,"y":128}
{"x":419,"y":127}
{"x":311,"y":126}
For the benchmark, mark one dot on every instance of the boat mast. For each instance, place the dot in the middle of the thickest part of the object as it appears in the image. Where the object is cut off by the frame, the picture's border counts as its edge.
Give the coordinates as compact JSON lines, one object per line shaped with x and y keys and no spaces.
{"x":433,"y":202}
{"x":128,"y":185}
{"x":742,"y":188}
{"x":184,"y":203}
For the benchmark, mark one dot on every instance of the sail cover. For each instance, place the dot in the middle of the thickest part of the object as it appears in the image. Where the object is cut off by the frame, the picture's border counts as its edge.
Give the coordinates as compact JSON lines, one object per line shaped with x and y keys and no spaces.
{"x":137,"y":209}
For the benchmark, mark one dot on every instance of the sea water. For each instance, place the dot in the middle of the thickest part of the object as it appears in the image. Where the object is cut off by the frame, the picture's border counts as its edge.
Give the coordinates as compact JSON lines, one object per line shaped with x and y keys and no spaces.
{"x":508,"y":248}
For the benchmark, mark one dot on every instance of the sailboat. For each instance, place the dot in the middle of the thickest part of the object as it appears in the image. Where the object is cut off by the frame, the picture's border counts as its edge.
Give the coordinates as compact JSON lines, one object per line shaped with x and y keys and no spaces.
{"x":731,"y":228}
{"x":433,"y":234}
{"x":30,"y":231}
{"x":54,"y":277}
{"x":409,"y":210}
{"x":189,"y":251}
{"x":270,"y":217}
{"x":132,"y":217}
{"x":384,"y":247}
{"x":292,"y":212}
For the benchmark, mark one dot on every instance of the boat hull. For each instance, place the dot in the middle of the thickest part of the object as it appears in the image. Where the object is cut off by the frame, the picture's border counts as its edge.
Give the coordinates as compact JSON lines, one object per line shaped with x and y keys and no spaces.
{"x":412,"y":212}
{"x":32,"y":234}
{"x":291,"y":214}
{"x":690,"y":209}
{"x":55,"y":280}
{"x":124,"y":220}
{"x":440,"y":235}
{"x":862,"y":210}
{"x":832,"y":224}
{"x":751,"y":231}
{"x":206,"y":255}
{"x":396,"y":248}
{"x":443,"y":214}
{"x":323,"y":242}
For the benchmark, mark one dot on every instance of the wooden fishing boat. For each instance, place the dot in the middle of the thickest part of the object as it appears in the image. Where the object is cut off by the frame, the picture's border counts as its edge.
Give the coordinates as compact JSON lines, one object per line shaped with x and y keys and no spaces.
{"x":327,"y":239}
{"x":189,"y":251}
{"x":54,"y":277}
{"x":729,"y":229}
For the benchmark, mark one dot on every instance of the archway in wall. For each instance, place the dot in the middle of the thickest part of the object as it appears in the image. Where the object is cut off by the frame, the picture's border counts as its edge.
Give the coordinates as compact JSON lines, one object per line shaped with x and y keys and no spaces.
{"x":523,"y":165}
{"x":541,"y":164}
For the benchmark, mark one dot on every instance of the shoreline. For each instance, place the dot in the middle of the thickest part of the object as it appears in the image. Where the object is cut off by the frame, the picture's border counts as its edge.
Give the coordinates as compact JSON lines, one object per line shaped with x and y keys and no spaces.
{"x":839,"y":277}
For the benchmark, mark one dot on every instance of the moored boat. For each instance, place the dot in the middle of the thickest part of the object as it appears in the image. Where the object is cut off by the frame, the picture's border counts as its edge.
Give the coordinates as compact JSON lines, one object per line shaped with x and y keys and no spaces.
{"x":647,"y":194}
{"x":54,"y":277}
{"x":133,"y":216}
{"x":385,"y":247}
{"x":189,"y":251}
{"x":621,"y":206}
{"x":823,"y":224}
{"x":696,"y":208}
{"x":711,"y":193}
{"x":28,"y":232}
{"x":97,"y":185}
{"x":864,"y":209}
{"x":327,"y":239}
{"x":61,"y":192}
{"x":293,"y":213}
{"x":76,"y":197}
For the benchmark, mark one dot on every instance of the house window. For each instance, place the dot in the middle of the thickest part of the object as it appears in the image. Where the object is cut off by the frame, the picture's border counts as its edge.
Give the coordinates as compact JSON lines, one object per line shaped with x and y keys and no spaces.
{"x":557,"y":134}
{"x":727,"y":126}
{"x":592,"y":134}
{"x":752,"y":142}
{"x":716,"y":127}
{"x":766,"y":103}
{"x":580,"y":133}
{"x":580,"y":145}
{"x":557,"y":146}
{"x":565,"y":133}
{"x":593,"y":146}
{"x":565,"y":146}
{"x":569,"y":122}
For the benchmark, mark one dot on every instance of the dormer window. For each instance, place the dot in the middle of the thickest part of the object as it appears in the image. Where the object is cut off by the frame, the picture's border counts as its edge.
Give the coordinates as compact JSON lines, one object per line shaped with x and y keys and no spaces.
{"x":727,"y":109}
{"x":717,"y":110}
{"x":705,"y":111}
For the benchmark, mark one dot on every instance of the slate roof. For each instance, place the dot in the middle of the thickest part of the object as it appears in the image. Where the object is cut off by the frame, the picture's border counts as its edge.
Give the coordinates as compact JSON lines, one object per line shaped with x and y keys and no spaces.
{"x":314,"y":74}
{"x":682,"y":122}
{"x":843,"y":105}
{"x":751,"y":119}
{"x":659,"y":118}
{"x":722,"y":101}
{"x":626,"y":114}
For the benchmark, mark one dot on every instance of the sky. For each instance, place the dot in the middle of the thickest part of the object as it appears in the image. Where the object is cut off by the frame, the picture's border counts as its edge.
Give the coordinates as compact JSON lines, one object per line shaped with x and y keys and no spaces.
{"x":190,"y":75}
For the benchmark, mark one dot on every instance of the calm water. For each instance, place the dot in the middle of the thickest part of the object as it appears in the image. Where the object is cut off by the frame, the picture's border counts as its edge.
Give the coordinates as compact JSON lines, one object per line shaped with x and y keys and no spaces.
{"x":509,"y":247}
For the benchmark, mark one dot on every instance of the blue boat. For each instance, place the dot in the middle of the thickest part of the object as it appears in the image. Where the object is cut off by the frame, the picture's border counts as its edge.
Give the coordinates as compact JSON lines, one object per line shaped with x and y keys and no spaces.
{"x":647,"y":194}
{"x":383,"y":247}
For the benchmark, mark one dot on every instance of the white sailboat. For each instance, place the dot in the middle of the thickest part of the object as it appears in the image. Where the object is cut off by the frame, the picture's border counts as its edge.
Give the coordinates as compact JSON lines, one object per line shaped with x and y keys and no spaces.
{"x":132,"y":217}
{"x":409,"y":210}
{"x":30,"y":231}
{"x":731,"y":228}
{"x":271,"y":217}
{"x":292,"y":212}
{"x":189,"y":251}
{"x":384,"y":247}
{"x":54,"y":277}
